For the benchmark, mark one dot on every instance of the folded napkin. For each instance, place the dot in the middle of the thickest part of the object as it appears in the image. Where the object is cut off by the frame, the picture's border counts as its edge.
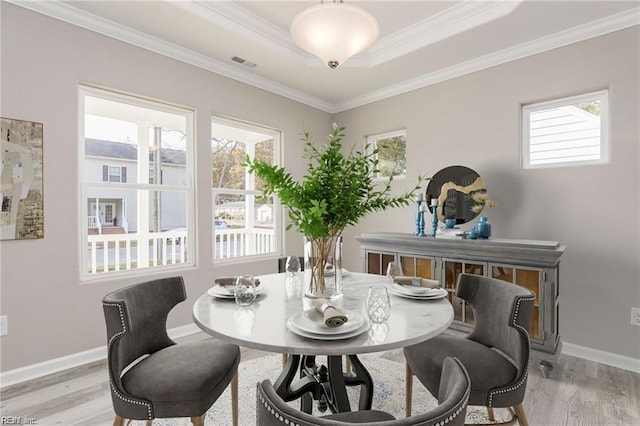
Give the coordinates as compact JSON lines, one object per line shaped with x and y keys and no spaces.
{"x":231,"y":281}
{"x":416,"y":282}
{"x":333,"y":317}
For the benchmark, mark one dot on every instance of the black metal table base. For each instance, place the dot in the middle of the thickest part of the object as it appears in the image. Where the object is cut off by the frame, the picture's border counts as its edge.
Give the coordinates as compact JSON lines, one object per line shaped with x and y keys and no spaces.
{"x":325,"y":384}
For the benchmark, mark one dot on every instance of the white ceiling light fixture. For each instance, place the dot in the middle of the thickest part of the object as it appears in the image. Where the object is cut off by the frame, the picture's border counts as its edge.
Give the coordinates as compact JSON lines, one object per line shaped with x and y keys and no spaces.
{"x":334,"y":31}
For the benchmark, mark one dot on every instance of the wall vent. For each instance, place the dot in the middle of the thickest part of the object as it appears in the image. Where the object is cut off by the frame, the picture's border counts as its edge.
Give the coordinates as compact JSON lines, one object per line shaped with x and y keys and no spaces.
{"x":243,"y":61}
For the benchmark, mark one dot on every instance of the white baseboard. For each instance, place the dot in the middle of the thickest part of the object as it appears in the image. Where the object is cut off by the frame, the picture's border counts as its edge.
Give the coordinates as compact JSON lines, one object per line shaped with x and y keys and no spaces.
{"x":34,"y":371}
{"x":608,"y":358}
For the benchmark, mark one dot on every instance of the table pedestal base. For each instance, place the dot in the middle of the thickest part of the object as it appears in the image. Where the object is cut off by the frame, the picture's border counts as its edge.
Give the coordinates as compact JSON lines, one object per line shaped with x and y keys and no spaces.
{"x":325,"y":384}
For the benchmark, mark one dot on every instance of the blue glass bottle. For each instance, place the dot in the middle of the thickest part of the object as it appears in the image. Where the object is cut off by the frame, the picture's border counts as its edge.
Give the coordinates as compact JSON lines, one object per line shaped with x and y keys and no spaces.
{"x":484,"y":228}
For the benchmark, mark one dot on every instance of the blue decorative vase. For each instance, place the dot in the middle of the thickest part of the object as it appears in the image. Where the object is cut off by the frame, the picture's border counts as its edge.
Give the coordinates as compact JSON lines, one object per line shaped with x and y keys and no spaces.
{"x":484,"y":228}
{"x":472,"y":233}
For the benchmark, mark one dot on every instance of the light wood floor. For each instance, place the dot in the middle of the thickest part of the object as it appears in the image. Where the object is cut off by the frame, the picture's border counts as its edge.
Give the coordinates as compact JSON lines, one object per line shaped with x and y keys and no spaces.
{"x":578,"y":392}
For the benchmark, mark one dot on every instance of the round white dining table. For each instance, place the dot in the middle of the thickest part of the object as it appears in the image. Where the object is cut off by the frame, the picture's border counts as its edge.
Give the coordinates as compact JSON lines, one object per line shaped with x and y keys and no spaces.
{"x":263,"y":326}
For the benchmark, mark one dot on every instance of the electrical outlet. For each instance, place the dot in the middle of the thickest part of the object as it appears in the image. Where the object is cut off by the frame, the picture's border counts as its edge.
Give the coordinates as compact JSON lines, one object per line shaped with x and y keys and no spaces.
{"x":635,"y":316}
{"x":4,"y":325}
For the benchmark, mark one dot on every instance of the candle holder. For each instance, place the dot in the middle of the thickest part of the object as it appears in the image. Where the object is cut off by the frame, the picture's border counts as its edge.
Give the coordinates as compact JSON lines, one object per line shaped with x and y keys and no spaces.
{"x":421,"y":224}
{"x":434,"y":220}
{"x":419,"y":217}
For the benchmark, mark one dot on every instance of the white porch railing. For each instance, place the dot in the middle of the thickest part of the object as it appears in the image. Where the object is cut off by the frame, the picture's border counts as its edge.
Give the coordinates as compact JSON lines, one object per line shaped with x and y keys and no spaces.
{"x":242,"y":242}
{"x":116,"y":252}
{"x":94,"y":222}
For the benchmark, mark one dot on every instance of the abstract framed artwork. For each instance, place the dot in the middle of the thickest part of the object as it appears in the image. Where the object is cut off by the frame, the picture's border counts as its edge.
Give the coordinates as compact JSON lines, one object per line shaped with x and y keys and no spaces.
{"x":21,"y":180}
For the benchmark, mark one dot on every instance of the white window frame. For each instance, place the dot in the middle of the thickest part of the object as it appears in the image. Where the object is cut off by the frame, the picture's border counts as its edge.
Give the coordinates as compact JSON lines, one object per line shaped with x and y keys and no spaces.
{"x":602,"y":96}
{"x":371,"y":144}
{"x":278,"y":217}
{"x":134,"y":185}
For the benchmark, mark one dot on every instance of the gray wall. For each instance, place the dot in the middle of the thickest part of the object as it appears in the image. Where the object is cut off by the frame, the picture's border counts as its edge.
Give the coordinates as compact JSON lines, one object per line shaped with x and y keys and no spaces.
{"x":51,"y":313}
{"x":474,"y":121}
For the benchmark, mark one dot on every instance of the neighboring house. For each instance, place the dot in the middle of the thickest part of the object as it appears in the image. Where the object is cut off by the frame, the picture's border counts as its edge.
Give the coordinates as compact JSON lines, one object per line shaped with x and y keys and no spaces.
{"x":565,"y":132}
{"x":108,"y":161}
{"x":264,"y":212}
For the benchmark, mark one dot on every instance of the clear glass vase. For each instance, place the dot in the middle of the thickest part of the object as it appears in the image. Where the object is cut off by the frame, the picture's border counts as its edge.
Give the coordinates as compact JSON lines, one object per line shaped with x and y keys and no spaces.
{"x":323,"y":267}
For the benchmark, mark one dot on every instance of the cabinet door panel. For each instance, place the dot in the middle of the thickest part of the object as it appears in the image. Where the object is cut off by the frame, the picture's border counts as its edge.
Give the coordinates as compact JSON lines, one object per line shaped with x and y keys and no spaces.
{"x":417,"y":266}
{"x":377,"y":262}
{"x":424,"y":267}
{"x":453,"y":269}
{"x":528,"y":278}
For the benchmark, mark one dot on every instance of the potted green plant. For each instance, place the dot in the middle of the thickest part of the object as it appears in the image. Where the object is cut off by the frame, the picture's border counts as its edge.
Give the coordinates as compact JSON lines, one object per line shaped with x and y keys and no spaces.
{"x":337,"y":190}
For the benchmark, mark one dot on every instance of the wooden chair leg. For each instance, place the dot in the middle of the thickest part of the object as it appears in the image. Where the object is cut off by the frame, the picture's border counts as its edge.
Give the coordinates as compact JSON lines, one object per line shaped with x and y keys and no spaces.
{"x":490,"y":414}
{"x":284,"y":360}
{"x":149,"y":422}
{"x":408,"y":391}
{"x":118,"y":421}
{"x":520,"y":414}
{"x":234,"y":399}
{"x":198,"y":421}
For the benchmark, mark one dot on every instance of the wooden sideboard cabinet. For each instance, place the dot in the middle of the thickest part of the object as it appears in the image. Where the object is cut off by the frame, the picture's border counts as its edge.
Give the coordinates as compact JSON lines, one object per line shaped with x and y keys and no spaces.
{"x":531,"y":264}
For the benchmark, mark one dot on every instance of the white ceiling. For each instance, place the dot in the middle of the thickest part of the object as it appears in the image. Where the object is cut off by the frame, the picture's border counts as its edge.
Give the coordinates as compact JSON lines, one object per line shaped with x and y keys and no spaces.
{"x":421,"y":42}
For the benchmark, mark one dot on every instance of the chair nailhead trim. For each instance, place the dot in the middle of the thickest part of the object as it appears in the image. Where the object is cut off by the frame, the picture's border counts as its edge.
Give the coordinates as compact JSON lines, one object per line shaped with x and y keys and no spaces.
{"x":124,"y":327}
{"x":442,"y":422}
{"x":277,"y":415}
{"x":454,"y":415}
{"x":114,"y":337}
{"x":526,"y":333}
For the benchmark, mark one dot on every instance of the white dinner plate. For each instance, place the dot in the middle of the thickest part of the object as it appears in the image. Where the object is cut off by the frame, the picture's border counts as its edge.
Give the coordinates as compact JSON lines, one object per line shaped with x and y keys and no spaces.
{"x":221,"y":292}
{"x":312,"y":321}
{"x":291,"y":326}
{"x":406,"y":293}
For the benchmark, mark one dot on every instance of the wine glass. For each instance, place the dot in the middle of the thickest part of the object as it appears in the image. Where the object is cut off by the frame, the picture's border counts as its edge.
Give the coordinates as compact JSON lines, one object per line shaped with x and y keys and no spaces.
{"x":378,"y":304}
{"x":245,"y":290}
{"x":394,"y":269}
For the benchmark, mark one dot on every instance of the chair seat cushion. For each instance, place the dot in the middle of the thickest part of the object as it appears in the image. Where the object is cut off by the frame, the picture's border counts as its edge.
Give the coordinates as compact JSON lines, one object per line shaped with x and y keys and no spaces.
{"x":183,"y":379}
{"x":366,"y":416}
{"x":487,"y":368}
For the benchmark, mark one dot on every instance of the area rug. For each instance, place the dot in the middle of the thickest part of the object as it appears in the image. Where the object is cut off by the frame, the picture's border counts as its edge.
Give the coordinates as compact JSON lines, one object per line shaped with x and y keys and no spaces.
{"x":388,"y":377}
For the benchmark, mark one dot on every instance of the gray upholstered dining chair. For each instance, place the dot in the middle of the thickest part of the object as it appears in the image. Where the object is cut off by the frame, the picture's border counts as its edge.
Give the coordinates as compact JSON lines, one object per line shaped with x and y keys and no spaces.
{"x":150,"y":375}
{"x":271,"y":410}
{"x":282,"y":263}
{"x":495,"y":353}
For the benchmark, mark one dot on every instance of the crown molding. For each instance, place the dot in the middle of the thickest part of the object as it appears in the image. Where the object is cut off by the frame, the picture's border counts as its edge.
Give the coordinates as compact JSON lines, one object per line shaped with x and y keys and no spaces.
{"x":237,"y":19}
{"x":71,"y":15}
{"x":451,"y":21}
{"x":583,"y":32}
{"x":63,"y":12}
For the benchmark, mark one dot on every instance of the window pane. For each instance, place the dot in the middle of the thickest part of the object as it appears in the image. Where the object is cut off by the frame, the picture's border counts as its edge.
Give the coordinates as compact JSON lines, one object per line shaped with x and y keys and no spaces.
{"x":115,"y":237}
{"x":242,"y":226}
{"x":227,"y":157}
{"x":243,"y":223}
{"x":138,"y":143}
{"x":117,"y":141}
{"x":565,"y":131}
